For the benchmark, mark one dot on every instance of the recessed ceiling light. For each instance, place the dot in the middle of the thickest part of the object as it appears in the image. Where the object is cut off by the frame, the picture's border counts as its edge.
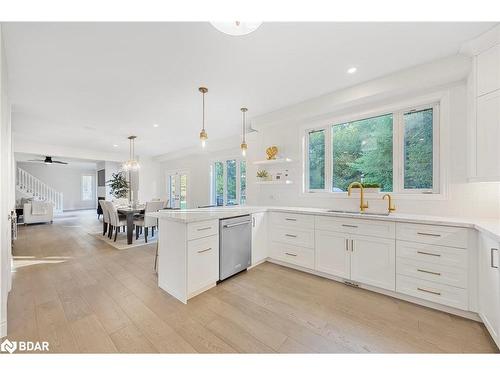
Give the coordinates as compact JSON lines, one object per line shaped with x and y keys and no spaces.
{"x":115,"y":145}
{"x":155,"y":125}
{"x":352,"y":70}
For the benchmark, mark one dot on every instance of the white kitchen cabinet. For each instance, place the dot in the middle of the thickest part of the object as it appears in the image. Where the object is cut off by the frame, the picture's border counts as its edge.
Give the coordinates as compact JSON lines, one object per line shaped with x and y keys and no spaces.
{"x":332,"y":253}
{"x":488,"y":136}
{"x":259,"y":237}
{"x":488,"y":71}
{"x":489,"y":286}
{"x":203,"y":264}
{"x":373,"y":261}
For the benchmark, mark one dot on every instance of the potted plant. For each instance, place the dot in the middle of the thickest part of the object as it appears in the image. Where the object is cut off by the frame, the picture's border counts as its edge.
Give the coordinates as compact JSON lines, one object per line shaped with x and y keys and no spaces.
{"x":262,"y":175}
{"x":119,"y":185}
{"x":371,"y":187}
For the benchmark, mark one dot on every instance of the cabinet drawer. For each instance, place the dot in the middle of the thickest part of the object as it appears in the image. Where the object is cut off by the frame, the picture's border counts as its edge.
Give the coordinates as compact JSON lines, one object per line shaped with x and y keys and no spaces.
{"x":203,"y":263}
{"x":293,"y":236}
{"x":434,"y":272}
{"x":297,"y":255}
{"x":432,"y":234}
{"x":447,"y":256}
{"x":202,"y":229}
{"x":384,"y":229}
{"x":428,"y":290}
{"x":292,"y":220}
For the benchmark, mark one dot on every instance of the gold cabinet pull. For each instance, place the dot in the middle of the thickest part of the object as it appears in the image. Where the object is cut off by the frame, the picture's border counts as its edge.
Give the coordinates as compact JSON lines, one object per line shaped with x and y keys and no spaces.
{"x":291,"y":235}
{"x":431,"y":254}
{"x":349,"y":226}
{"x":202,"y":251}
{"x":429,"y":234}
{"x":429,"y":291}
{"x":431,"y":272}
{"x":291,"y":254}
{"x":290,"y":219}
{"x":206,"y":228}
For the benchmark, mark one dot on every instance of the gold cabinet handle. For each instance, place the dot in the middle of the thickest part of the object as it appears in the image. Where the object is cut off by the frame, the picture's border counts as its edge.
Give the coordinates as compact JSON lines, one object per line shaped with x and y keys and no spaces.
{"x":202,"y":251}
{"x":426,"y":253}
{"x":346,"y":244}
{"x":290,"y":219}
{"x":429,"y":234}
{"x":429,"y":291}
{"x":291,"y":235}
{"x":431,"y":272}
{"x":349,"y":226}
{"x":291,"y":254}
{"x":352,"y":246}
{"x":206,"y":228}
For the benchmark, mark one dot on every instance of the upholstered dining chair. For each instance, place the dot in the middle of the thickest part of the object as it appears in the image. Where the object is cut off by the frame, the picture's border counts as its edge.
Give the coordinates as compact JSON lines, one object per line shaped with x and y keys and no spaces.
{"x":116,"y":220}
{"x":148,"y":222}
{"x":105,"y":216}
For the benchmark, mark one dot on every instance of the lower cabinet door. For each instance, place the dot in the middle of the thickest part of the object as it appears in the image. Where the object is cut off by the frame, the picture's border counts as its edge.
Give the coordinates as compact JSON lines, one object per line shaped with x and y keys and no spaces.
{"x":373,"y":261}
{"x":203,"y":263}
{"x":332,"y":253}
{"x":489,"y":286}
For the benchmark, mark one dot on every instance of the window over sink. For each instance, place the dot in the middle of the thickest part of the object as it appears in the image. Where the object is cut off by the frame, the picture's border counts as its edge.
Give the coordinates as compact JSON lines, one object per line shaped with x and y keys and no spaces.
{"x":396,"y":150}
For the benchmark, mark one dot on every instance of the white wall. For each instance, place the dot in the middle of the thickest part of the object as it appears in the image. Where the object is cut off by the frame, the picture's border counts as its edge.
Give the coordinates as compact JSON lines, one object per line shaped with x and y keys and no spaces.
{"x":284,"y":128}
{"x":64,"y":179}
{"x":109,"y":167}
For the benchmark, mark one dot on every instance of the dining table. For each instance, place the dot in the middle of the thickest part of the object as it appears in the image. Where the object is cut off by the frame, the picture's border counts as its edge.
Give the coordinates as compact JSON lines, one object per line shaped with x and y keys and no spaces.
{"x":130,"y":212}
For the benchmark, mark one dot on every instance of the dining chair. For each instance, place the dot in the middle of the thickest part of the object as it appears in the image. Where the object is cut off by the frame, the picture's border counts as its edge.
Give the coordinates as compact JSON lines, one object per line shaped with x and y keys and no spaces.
{"x":148,"y":222}
{"x":105,"y":216}
{"x":116,"y":220}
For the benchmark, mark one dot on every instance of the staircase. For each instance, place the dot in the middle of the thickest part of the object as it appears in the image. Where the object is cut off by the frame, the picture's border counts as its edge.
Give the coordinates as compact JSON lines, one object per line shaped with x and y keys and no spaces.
{"x":30,"y":186}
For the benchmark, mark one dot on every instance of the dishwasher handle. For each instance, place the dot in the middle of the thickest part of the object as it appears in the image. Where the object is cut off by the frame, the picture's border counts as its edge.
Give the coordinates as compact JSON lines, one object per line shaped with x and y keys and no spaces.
{"x":236,"y":224}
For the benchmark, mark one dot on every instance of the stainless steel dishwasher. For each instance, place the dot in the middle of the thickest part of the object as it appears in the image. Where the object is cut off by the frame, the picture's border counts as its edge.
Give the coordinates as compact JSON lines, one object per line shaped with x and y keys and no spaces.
{"x":235,"y":250}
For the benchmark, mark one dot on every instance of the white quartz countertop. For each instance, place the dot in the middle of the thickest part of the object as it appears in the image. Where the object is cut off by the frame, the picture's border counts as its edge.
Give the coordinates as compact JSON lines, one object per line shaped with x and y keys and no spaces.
{"x":488,"y":226}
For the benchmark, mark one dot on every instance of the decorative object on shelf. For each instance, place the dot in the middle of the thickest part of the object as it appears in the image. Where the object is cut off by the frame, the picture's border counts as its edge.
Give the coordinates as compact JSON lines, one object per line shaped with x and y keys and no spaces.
{"x":203,"y":133}
{"x":243,"y":145}
{"x":262,"y":175}
{"x":272,"y":152}
{"x":236,"y":28}
{"x":119,"y":185}
{"x":131,"y":164}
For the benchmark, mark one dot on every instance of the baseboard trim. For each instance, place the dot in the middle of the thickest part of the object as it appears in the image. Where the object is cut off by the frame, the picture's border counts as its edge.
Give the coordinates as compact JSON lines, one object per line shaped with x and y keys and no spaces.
{"x":450,"y":310}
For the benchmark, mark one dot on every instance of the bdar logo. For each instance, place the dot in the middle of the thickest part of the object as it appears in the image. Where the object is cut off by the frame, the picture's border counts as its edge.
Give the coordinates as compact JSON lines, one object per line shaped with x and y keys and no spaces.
{"x":8,"y":346}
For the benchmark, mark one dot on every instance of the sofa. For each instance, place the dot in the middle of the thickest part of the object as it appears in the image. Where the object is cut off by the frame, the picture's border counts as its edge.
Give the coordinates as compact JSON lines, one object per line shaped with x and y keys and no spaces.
{"x":43,"y":213}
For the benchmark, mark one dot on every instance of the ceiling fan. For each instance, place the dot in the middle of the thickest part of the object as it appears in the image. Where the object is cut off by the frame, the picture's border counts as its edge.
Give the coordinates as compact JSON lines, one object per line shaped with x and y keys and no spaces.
{"x":48,"y":160}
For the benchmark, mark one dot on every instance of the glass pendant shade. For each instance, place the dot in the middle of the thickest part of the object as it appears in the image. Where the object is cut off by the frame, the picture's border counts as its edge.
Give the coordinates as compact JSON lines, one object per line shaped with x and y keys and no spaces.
{"x":131,"y":164}
{"x":203,"y":132}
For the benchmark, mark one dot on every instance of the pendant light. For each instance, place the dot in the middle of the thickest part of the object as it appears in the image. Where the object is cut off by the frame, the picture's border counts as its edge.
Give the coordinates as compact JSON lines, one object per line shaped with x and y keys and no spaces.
{"x":203,"y":133}
{"x":131,"y":164}
{"x":236,"y":28}
{"x":243,"y":145}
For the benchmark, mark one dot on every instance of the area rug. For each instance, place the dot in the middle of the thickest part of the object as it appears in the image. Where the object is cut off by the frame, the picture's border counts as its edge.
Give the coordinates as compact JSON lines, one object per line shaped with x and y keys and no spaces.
{"x":121,"y":240}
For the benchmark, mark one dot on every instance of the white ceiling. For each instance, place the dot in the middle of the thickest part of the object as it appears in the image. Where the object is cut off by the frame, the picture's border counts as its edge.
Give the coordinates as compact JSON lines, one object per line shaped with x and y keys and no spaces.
{"x":90,"y":85}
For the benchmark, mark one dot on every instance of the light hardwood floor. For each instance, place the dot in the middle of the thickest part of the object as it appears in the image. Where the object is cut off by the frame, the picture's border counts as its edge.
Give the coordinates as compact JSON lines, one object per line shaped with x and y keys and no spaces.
{"x":82,"y":295}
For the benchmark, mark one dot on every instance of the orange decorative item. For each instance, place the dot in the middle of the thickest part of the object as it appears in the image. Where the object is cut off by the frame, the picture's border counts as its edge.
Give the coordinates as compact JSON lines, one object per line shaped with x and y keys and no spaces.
{"x":272,"y":152}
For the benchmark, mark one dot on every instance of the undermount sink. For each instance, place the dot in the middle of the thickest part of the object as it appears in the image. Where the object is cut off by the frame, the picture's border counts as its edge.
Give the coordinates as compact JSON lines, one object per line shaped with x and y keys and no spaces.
{"x":358,"y":213}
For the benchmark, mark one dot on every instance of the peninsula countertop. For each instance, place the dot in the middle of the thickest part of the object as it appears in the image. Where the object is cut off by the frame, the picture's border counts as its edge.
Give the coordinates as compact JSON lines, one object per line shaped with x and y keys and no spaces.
{"x":486,"y":225}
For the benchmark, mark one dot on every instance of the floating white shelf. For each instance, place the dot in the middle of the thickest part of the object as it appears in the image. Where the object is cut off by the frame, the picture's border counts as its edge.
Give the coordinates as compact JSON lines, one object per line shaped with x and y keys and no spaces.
{"x":275,"y":182}
{"x":273,"y":161}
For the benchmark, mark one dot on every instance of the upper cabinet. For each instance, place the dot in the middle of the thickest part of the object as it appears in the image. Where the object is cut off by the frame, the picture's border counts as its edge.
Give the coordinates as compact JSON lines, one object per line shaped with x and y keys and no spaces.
{"x":484,"y":107}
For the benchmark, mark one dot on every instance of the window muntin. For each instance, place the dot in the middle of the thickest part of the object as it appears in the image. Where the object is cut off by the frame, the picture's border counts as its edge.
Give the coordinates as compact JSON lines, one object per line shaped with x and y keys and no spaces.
{"x":231,"y":182}
{"x":418,"y":149}
{"x":362,"y":151}
{"x":87,"y":188}
{"x":243,"y":182}
{"x":219,"y":183}
{"x":386,"y":151}
{"x":316,"y":157}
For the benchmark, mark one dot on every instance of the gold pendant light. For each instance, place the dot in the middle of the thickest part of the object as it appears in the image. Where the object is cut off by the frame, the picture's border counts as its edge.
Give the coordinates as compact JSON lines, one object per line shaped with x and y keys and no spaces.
{"x":203,"y":133}
{"x":243,"y":145}
{"x":131,"y":164}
